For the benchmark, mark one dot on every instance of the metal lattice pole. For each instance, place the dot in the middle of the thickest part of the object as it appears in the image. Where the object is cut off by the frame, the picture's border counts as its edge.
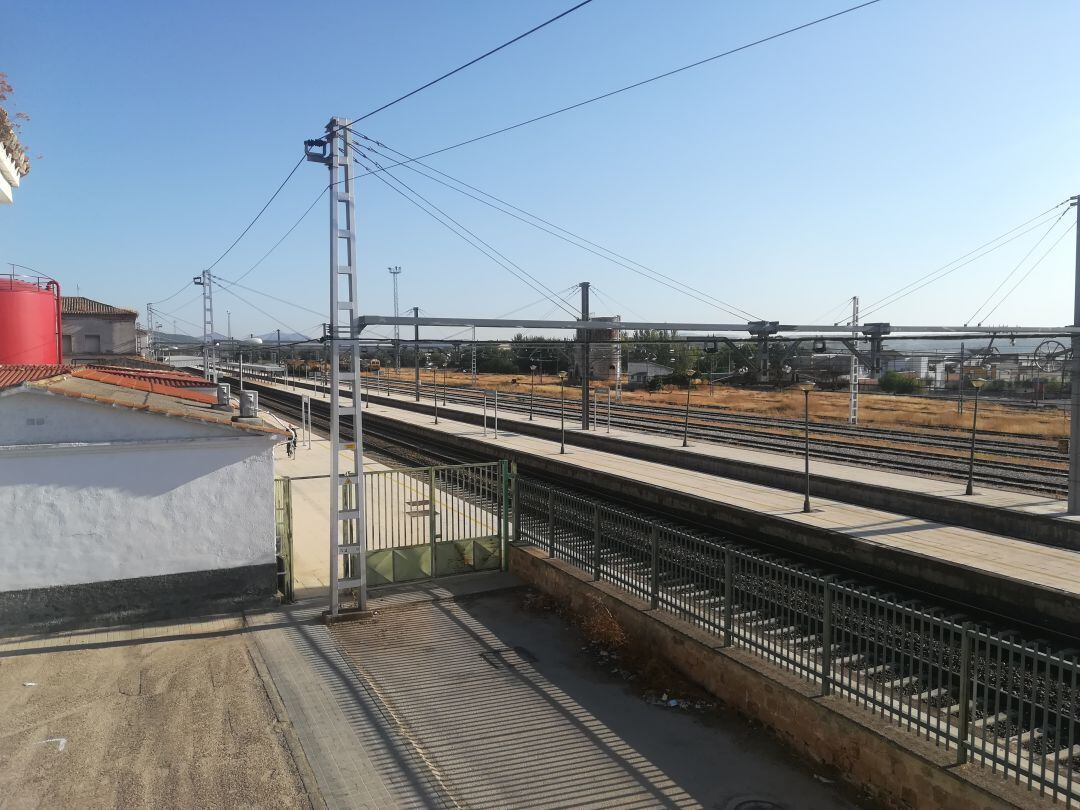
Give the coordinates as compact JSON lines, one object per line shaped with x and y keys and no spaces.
{"x":335,"y":152}
{"x":853,"y":383}
{"x":1074,"y":405}
{"x":205,"y":280}
{"x":395,"y":272}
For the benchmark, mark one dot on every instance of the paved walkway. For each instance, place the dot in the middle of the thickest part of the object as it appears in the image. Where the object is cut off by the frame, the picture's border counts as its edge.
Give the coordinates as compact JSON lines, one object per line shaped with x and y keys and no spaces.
{"x":474,"y":701}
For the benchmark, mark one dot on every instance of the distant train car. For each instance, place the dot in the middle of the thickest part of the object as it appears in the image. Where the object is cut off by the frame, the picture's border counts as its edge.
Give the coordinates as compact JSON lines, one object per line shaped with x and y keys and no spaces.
{"x":374,"y":365}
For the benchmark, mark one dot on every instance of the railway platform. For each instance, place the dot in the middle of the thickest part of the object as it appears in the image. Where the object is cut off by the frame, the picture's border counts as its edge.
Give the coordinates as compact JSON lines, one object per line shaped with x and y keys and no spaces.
{"x":1013,"y":578}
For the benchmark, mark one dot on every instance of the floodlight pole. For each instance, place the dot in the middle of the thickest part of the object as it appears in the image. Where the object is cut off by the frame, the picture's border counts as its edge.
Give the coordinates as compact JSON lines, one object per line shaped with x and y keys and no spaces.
{"x":1074,"y":403}
{"x":416,"y":353}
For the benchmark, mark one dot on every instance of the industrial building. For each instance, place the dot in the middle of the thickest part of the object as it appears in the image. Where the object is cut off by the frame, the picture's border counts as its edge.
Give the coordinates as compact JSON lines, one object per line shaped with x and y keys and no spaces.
{"x":93,"y":330}
{"x":130,"y":494}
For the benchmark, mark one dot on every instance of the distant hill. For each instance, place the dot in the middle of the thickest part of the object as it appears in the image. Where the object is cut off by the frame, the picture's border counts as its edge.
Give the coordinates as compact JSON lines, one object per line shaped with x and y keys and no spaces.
{"x":286,"y":337}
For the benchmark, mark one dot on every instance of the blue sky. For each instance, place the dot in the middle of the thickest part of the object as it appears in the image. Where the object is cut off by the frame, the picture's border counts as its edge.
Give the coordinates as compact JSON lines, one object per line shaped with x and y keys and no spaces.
{"x":847,"y":159}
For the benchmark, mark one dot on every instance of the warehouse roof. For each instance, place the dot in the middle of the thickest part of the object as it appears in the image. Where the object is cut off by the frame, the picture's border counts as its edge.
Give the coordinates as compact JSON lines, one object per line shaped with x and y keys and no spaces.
{"x":78,"y":305}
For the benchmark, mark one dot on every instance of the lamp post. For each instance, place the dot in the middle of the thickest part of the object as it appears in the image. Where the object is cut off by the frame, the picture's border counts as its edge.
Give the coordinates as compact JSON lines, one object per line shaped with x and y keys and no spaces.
{"x":562,"y":409}
{"x":532,"y":389}
{"x":976,"y":383}
{"x":434,"y":391}
{"x":806,"y":387}
{"x":690,"y":375}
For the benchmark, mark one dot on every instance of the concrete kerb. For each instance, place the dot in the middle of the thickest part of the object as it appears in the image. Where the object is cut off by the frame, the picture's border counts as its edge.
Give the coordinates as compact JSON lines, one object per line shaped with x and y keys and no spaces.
{"x":990,"y":593}
{"x":898,"y":768}
{"x":1036,"y":528}
{"x":288,"y":731}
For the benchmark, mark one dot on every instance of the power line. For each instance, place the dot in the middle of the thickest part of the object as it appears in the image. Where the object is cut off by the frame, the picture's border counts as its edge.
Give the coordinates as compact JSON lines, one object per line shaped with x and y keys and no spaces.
{"x":1064,"y":233}
{"x":283,"y":238}
{"x":619,"y":260}
{"x":643,"y":82}
{"x":472,"y":62}
{"x":1012,"y":272}
{"x":292,"y":304}
{"x":508,"y":265}
{"x":948,"y":269}
{"x":239,"y":297}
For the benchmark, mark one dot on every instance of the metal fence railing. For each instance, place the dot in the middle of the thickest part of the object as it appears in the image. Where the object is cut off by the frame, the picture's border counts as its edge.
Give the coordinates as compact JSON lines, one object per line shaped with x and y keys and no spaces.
{"x":433,"y":521}
{"x":995,"y":700}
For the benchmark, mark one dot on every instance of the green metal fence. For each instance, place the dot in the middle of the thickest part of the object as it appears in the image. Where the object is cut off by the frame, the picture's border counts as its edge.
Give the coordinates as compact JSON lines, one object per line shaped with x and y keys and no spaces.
{"x":991,"y":698}
{"x":425,"y":522}
{"x":284,"y":536}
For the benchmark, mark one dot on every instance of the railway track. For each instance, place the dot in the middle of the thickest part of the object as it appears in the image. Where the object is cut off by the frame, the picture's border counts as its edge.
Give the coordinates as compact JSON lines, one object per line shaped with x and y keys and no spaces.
{"x":1001,"y":461}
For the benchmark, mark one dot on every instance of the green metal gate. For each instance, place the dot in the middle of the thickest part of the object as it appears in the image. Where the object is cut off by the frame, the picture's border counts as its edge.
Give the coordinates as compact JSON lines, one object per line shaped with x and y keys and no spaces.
{"x":284,"y":536}
{"x":425,"y":522}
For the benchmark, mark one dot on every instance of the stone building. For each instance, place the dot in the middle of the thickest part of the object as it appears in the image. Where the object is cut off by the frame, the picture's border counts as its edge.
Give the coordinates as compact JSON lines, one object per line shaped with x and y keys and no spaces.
{"x":94,"y":331}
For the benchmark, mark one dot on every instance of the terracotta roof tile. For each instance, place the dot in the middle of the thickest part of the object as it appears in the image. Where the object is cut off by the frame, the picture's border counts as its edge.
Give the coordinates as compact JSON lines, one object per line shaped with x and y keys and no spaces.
{"x":78,"y":305}
{"x":19,"y":374}
{"x":171,"y":377}
{"x":149,"y":385}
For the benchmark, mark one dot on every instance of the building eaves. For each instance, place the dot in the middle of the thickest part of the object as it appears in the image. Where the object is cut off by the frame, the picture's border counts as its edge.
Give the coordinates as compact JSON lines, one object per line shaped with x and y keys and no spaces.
{"x":138,"y":395}
{"x":19,"y":374}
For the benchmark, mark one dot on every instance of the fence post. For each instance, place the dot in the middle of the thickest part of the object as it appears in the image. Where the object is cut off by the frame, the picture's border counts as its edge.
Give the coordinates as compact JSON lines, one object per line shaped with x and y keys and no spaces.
{"x":596,"y":542}
{"x":551,"y":522}
{"x":504,"y":523}
{"x":964,"y":718}
{"x":827,"y":637}
{"x":729,"y":589}
{"x":654,"y":580}
{"x":432,"y":526}
{"x":517,"y":502}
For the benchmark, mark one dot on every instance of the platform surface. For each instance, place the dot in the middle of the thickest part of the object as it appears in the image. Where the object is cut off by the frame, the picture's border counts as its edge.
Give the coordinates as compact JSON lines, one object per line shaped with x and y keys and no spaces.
{"x":1046,"y":567}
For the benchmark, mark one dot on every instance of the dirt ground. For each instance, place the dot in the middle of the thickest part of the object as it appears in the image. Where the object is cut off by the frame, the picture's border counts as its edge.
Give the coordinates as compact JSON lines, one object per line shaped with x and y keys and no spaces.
{"x":881,"y":410}
{"x":131,"y":723}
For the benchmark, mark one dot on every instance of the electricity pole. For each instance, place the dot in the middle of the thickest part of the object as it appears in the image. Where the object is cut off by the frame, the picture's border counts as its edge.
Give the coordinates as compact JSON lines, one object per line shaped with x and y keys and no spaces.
{"x":205,"y":280}
{"x":395,"y":271}
{"x":585,"y":357}
{"x":1074,"y":392}
{"x":348,"y":527}
{"x":853,"y":405}
{"x":472,"y":380}
{"x":150,"y":331}
{"x":416,"y":352}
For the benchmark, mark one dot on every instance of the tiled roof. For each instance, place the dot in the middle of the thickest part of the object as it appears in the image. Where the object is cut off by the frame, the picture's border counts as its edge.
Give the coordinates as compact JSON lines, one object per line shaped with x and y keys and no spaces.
{"x":141,"y":395}
{"x":176,"y":379}
{"x":78,"y":305}
{"x":18,"y":374}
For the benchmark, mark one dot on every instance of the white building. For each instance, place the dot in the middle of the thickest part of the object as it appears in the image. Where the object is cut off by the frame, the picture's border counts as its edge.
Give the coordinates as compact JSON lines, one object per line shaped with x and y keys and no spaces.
{"x":641,"y":371}
{"x":126,"y":497}
{"x":14,"y":164}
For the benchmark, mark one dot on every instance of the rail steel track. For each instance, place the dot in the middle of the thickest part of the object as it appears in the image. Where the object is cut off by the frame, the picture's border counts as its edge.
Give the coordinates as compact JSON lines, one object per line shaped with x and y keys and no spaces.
{"x":1002,"y":461}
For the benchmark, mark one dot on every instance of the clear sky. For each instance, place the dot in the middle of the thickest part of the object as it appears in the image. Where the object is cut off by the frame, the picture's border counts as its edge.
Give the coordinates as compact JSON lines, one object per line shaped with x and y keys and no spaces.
{"x":848,"y":159}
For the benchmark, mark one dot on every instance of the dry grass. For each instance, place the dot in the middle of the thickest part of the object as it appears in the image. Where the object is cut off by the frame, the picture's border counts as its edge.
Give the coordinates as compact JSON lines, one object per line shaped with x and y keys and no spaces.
{"x":879,"y":410}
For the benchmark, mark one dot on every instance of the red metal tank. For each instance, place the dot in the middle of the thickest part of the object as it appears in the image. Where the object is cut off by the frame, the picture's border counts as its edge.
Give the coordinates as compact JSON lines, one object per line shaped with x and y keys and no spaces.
{"x":29,"y":320}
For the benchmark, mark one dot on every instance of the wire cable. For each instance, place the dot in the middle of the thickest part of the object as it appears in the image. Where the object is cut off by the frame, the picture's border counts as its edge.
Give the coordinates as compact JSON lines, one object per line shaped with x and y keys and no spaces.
{"x":292,"y":304}
{"x":1012,"y":272}
{"x":944,"y":270}
{"x":283,"y":238}
{"x":619,"y":260}
{"x":243,"y":300}
{"x":651,"y":79}
{"x":471,"y":62}
{"x":1064,"y":233}
{"x":521,"y":274}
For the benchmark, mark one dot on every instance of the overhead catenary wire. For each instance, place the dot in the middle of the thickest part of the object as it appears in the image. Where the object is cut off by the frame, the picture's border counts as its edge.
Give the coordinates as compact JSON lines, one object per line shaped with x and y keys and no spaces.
{"x":1018,"y":265}
{"x":471,"y":62}
{"x":962,"y":261}
{"x":260,"y":310}
{"x":444,"y":219}
{"x":285,"y":301}
{"x":613,"y":257}
{"x":658,"y":77}
{"x":284,"y":236}
{"x":1030,"y":270}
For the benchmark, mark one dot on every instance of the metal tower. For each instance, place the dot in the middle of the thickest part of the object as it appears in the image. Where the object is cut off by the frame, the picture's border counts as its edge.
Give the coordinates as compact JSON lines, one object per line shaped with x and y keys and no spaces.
{"x":206,"y":281}
{"x":348,"y":527}
{"x":395,"y":271}
{"x":150,"y":331}
{"x":853,"y":383}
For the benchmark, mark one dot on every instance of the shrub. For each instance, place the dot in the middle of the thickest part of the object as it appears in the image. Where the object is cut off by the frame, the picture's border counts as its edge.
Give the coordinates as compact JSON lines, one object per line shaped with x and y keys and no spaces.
{"x":894,"y":382}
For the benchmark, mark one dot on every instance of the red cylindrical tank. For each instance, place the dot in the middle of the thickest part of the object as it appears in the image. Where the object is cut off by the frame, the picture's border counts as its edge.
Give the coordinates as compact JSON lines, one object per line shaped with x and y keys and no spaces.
{"x":29,"y":320}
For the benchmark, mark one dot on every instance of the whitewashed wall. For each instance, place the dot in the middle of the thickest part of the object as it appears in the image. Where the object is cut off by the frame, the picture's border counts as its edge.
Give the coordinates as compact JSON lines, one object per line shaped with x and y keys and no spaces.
{"x":163,"y":504}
